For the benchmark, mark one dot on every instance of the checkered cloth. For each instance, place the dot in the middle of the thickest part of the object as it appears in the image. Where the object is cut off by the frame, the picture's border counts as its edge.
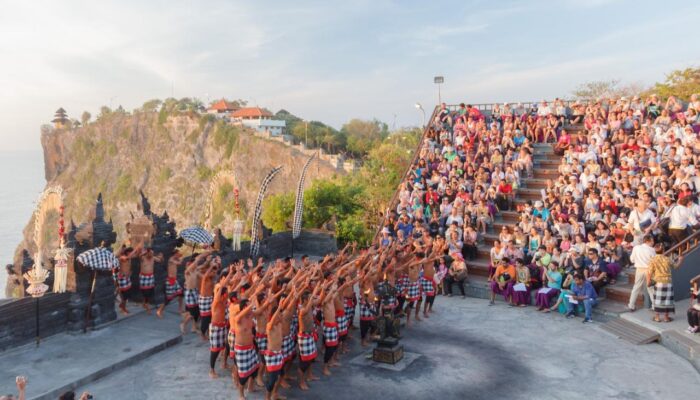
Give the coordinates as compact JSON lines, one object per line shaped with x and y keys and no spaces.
{"x":205,"y":305}
{"x":342,"y":321}
{"x":191,"y":298}
{"x":413,"y":291}
{"x":349,"y":307}
{"x":402,"y":283}
{"x":289,"y":347}
{"x":274,"y":360}
{"x":307,"y":346}
{"x":231,"y":338}
{"x":368,"y":311}
{"x":330,"y":334}
{"x":99,"y":258}
{"x":124,"y":282}
{"x":197,"y":235}
{"x":147,"y":281}
{"x":217,"y":337}
{"x":663,"y":297}
{"x":172,"y":288}
{"x":246,"y":360}
{"x":427,"y":286}
{"x":261,"y":342}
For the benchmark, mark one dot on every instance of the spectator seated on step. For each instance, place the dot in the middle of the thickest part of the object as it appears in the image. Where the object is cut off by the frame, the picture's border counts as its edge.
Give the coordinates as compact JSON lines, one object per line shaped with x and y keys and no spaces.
{"x":582,"y":293}
{"x":503,"y":280}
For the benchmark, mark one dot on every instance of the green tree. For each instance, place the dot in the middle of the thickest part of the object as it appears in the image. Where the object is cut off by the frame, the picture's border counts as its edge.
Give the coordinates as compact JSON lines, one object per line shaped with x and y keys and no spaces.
{"x":606,"y":89}
{"x":151,"y":105}
{"x":680,"y":83}
{"x":364,"y":135}
{"x":104,"y":112}
{"x":277,"y":211}
{"x":85,"y":118}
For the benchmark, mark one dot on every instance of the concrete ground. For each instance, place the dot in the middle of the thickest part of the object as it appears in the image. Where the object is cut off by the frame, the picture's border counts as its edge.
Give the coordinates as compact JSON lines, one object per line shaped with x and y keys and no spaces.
{"x":467,"y":350}
{"x":67,"y":360}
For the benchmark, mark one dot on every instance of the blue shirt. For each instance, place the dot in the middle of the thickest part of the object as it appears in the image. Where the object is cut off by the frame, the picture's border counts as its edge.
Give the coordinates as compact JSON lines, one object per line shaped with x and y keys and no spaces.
{"x":406,"y":228}
{"x":544,"y":212}
{"x":586,"y":290}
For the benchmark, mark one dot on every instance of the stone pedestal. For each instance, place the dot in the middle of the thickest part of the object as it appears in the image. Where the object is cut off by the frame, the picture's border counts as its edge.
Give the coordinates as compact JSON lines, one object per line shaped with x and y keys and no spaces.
{"x":388,"y":351}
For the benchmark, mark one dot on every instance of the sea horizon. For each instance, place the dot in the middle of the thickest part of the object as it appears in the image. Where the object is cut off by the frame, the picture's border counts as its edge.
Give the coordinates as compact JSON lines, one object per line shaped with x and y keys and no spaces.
{"x":22,"y":174}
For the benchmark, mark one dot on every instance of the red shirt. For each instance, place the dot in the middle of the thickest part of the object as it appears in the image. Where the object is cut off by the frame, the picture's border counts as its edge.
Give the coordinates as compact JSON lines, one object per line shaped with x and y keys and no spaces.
{"x":505,"y":188}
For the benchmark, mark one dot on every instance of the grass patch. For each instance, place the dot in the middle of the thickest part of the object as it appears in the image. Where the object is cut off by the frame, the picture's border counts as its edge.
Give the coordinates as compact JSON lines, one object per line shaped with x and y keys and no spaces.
{"x":165,"y":174}
{"x":226,"y":137}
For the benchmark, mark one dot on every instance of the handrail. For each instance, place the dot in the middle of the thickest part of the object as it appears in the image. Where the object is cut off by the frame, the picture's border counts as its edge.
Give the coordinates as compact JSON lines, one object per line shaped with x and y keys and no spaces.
{"x":392,"y":202}
{"x":683,"y":246}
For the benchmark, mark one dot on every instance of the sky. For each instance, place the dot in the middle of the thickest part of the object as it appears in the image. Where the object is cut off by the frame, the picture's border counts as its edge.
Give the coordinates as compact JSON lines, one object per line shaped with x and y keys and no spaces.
{"x":325,"y":60}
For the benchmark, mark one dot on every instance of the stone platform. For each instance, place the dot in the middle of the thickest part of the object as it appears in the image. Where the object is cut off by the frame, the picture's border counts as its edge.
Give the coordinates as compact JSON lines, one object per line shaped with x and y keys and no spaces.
{"x":69,"y":360}
{"x":465,"y":350}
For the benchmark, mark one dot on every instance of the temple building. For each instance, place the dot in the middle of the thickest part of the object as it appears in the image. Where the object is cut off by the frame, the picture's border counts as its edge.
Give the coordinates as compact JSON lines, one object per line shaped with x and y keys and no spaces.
{"x":60,"y":119}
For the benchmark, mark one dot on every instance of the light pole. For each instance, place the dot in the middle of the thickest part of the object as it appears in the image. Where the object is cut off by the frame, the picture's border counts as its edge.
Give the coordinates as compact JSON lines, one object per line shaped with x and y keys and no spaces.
{"x":420,"y":107}
{"x":439,"y":80}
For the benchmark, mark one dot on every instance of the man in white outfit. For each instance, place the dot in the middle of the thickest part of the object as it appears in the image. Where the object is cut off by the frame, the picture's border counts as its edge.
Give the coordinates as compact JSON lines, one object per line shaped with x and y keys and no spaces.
{"x":640,"y":257}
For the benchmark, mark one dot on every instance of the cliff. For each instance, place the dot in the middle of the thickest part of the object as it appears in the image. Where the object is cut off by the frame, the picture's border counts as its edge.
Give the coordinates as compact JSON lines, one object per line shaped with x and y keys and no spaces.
{"x":172,"y":159}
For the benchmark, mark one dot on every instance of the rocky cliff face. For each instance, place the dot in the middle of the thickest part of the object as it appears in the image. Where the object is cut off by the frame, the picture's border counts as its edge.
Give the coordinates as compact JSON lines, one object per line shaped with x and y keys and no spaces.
{"x":172,"y":159}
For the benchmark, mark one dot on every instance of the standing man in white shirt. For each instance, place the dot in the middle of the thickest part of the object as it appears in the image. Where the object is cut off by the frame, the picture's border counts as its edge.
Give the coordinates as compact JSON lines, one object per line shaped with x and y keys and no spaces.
{"x":641,"y":221}
{"x":680,"y":218}
{"x":640,"y":257}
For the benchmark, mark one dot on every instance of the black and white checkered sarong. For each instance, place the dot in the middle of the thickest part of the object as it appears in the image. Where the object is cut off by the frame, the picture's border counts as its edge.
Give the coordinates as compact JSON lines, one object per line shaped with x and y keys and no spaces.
{"x":246,"y":360}
{"x":191,"y":298}
{"x":663,"y":297}
{"x":217,"y":337}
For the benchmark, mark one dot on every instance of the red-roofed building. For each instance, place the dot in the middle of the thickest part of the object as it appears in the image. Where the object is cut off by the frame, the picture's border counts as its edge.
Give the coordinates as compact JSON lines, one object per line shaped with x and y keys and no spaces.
{"x":259,"y":119}
{"x":223,"y":107}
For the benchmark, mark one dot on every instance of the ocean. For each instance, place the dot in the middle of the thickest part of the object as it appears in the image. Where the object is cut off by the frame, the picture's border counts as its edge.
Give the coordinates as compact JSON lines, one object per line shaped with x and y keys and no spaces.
{"x":22,"y":176}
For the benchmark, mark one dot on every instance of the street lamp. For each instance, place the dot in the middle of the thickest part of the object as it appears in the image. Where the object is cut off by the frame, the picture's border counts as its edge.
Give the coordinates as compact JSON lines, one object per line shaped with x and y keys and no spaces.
{"x":420,"y":107}
{"x":439,"y":80}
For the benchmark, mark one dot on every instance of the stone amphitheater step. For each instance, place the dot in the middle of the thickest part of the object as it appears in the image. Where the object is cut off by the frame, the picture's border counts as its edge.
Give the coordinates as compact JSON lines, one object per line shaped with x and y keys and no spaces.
{"x":544,"y":173}
{"x":529,"y":194}
{"x":510,"y":217}
{"x":546,"y":156}
{"x":621,"y":293}
{"x":534,"y":183}
{"x":547,"y":163}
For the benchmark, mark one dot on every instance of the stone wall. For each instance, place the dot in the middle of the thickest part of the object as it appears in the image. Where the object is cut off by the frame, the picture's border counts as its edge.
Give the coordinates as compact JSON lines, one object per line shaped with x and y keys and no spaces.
{"x":18,"y":319}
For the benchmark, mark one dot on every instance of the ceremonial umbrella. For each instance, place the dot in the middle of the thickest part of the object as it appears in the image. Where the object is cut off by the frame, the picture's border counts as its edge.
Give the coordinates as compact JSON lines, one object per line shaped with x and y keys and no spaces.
{"x":196,"y":236}
{"x":97,"y":259}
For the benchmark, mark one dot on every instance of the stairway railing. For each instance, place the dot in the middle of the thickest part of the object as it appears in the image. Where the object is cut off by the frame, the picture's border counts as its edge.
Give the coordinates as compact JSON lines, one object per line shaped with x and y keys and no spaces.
{"x":684,"y":246}
{"x":394,"y":198}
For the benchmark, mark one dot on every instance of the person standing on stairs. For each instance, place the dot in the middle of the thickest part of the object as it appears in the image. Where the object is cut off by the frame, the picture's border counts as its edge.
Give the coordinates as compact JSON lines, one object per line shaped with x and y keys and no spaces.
{"x":641,"y":257}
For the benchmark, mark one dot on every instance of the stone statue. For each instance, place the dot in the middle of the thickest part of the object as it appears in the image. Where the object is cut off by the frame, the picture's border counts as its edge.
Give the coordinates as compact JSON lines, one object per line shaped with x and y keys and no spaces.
{"x":387,"y":325}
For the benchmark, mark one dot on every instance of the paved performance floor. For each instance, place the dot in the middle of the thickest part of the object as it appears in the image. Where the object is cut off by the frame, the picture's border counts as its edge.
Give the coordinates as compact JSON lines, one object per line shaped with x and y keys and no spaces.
{"x":467,"y":351}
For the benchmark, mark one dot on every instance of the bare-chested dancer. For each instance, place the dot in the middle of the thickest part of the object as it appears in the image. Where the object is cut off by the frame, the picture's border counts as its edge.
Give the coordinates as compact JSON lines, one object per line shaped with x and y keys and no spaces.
{"x":307,"y":335}
{"x":274,"y":357}
{"x":206,"y":294}
{"x":172,"y":286}
{"x":147,"y":281}
{"x":217,"y":327}
{"x":126,"y":254}
{"x":193,"y":275}
{"x":330,"y":325}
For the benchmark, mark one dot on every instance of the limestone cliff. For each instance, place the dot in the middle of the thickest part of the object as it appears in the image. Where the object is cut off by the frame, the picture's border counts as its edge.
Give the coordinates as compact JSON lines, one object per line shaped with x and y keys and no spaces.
{"x":172,"y":159}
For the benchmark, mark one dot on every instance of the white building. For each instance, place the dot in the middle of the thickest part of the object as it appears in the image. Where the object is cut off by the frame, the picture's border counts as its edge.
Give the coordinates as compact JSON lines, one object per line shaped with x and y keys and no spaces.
{"x":259,"y":119}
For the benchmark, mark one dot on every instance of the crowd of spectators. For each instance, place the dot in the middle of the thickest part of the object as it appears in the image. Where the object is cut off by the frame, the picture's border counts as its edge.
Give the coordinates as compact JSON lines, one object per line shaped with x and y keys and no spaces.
{"x":626,"y":190}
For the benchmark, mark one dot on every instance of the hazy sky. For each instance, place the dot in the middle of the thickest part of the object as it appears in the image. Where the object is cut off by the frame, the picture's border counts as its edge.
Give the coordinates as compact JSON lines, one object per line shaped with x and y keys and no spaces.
{"x":325,"y":60}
